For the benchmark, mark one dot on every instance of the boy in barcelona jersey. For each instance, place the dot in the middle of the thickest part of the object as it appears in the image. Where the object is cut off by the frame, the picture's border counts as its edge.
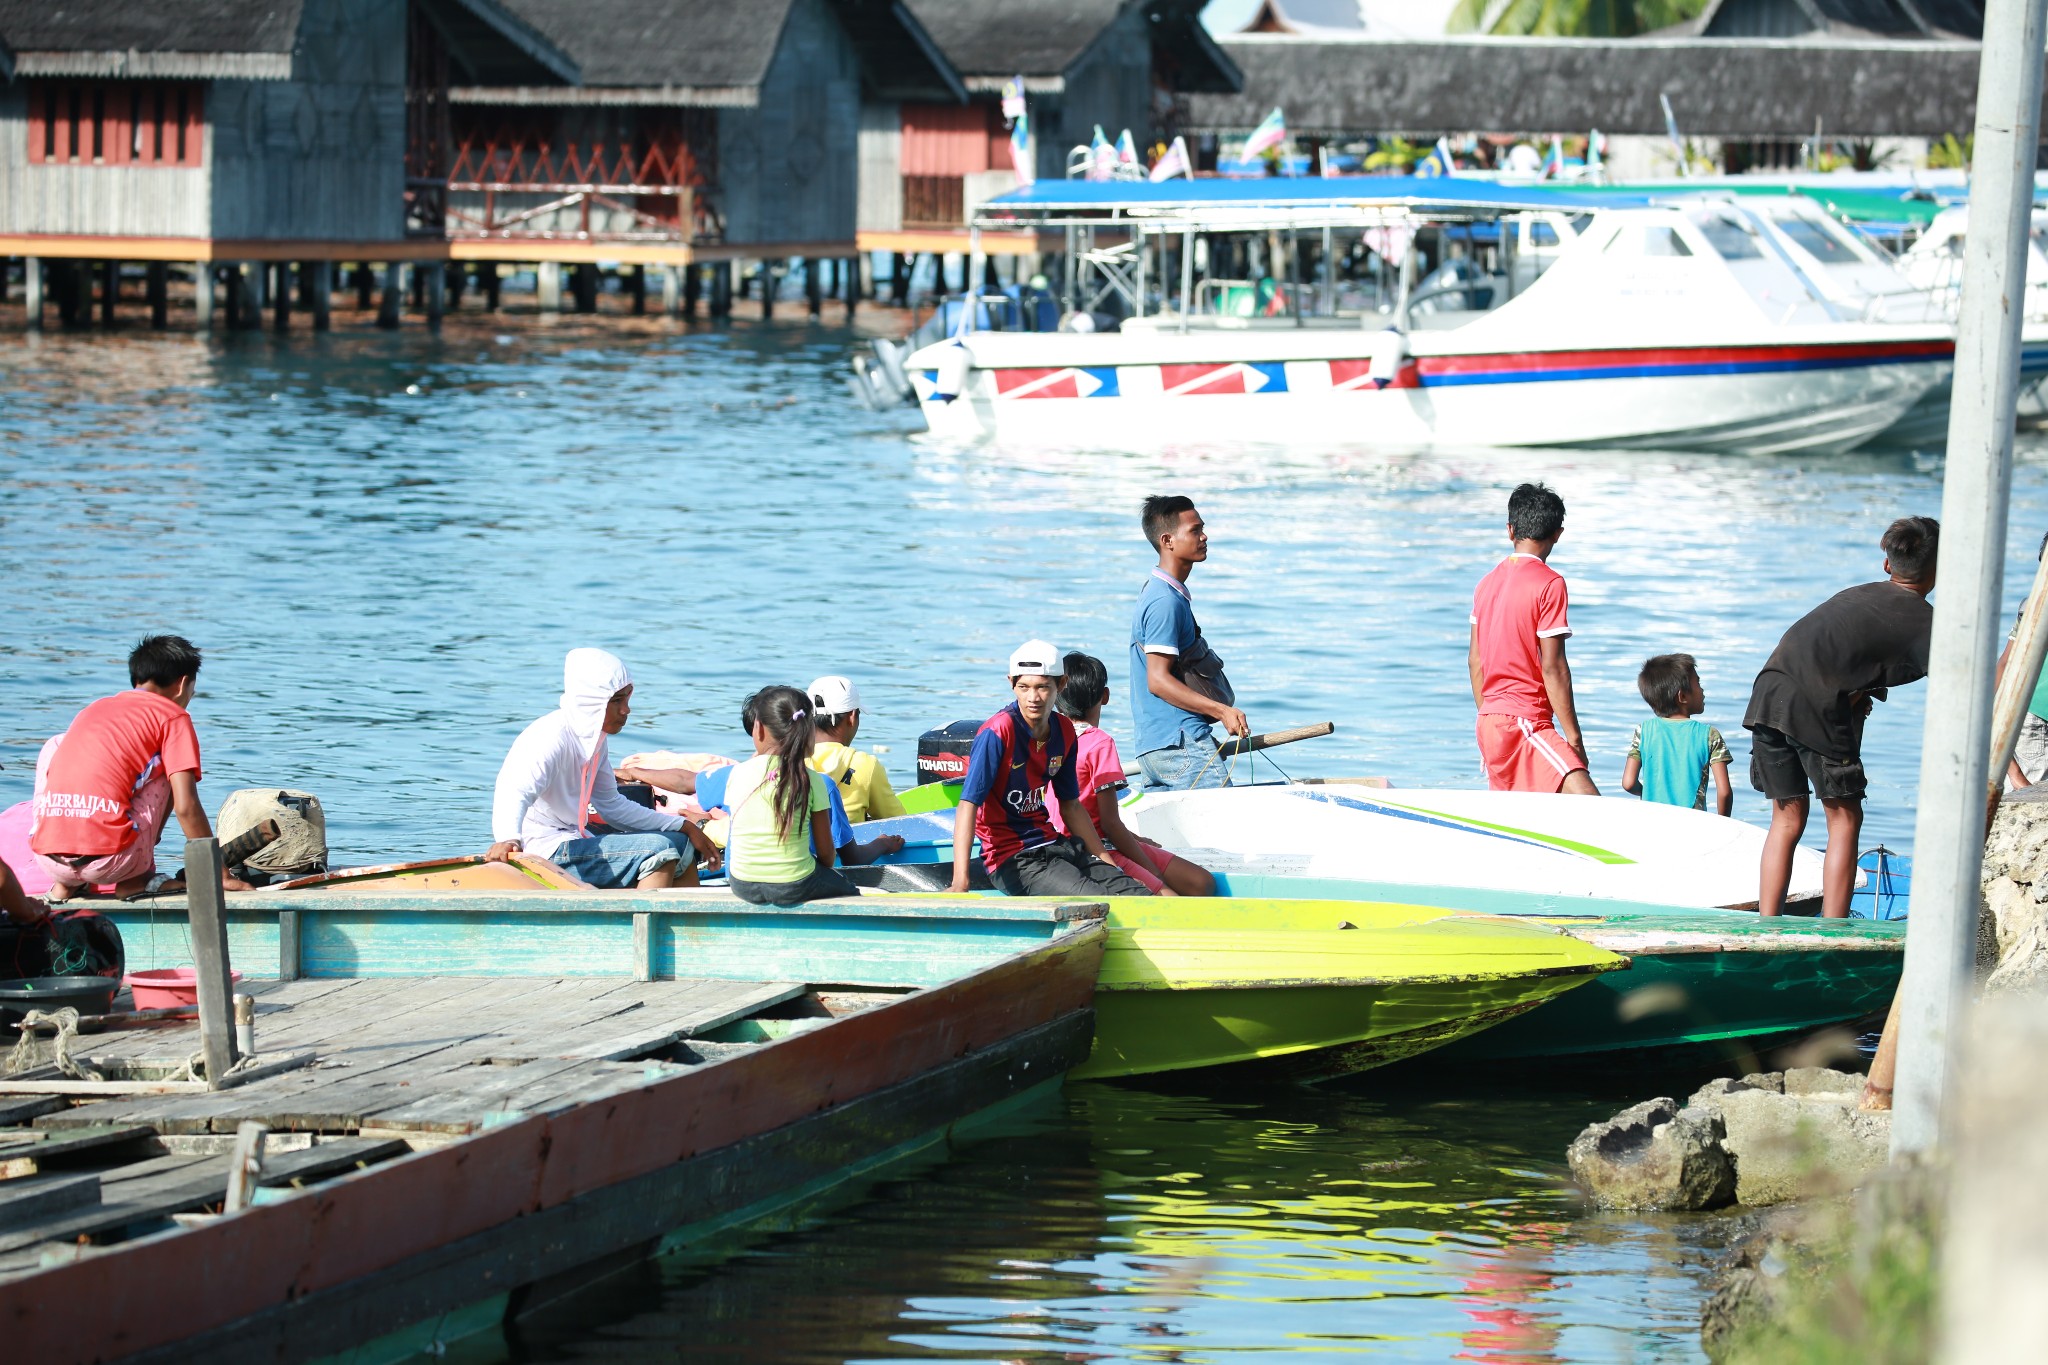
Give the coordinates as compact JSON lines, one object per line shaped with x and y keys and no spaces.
{"x":1023,"y":754}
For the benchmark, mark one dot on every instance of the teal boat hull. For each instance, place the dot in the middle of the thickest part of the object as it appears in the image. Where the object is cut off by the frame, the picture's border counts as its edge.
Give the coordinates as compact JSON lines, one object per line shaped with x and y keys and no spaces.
{"x":1718,"y":983}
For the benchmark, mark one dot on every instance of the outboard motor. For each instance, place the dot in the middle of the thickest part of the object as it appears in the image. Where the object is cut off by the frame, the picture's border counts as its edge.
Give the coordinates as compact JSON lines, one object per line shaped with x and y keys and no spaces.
{"x":1389,"y":353}
{"x":950,"y":380}
{"x":942,"y":753}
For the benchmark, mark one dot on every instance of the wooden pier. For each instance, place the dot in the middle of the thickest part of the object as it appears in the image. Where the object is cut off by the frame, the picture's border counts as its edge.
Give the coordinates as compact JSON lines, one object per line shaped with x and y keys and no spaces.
{"x":413,"y":1158}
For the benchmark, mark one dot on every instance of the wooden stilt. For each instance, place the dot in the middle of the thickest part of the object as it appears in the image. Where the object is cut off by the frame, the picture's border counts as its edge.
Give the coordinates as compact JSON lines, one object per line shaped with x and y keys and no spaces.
{"x":388,"y":307}
{"x":206,"y":911}
{"x":456,"y":280}
{"x":433,"y":291}
{"x":110,"y":291}
{"x":854,"y":267}
{"x":547,"y":277}
{"x":721,"y":290}
{"x":320,"y":275}
{"x":487,"y":275}
{"x":32,"y":291}
{"x":814,"y":286}
{"x":366,"y":287}
{"x":693,"y":288}
{"x":281,"y":296}
{"x":639,"y":291}
{"x":159,"y":296}
{"x":900,"y":266}
{"x":768,"y":283}
{"x":202,"y":294}
{"x":307,"y":284}
{"x":585,"y":283}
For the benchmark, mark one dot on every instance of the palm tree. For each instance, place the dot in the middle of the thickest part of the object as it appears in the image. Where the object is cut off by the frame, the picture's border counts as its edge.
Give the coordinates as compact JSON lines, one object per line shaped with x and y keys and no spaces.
{"x":1569,"y":18}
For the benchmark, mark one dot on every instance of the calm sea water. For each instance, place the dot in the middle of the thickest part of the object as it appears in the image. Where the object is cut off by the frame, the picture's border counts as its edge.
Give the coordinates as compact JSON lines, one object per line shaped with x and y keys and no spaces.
{"x":386,"y":543}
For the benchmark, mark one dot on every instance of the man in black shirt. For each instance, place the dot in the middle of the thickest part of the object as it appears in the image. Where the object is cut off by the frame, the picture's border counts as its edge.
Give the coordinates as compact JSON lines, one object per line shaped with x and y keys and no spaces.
{"x":1807,"y":710}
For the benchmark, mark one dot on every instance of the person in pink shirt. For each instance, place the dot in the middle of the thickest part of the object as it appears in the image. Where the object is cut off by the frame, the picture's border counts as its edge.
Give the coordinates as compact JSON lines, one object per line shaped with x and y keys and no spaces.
{"x":106,"y":787}
{"x":1099,"y":772}
{"x":1528,"y":723}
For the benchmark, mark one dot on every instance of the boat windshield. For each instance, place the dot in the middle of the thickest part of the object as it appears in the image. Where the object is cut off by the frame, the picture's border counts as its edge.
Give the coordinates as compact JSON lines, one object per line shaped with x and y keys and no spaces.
{"x":1816,"y":241}
{"x":1728,"y":235}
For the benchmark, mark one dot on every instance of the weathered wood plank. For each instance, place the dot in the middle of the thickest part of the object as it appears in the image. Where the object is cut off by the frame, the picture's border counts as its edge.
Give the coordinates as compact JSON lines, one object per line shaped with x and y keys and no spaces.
{"x":206,"y":907}
{"x":34,"y":1150}
{"x":34,"y":1198}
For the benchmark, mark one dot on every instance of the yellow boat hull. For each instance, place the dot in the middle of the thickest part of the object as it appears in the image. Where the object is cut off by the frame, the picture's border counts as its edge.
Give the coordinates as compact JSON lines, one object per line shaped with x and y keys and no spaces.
{"x":1317,"y":989}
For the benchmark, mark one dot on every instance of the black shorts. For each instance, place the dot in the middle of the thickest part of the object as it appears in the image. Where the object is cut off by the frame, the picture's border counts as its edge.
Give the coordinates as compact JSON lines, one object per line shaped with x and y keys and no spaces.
{"x":1782,"y":768}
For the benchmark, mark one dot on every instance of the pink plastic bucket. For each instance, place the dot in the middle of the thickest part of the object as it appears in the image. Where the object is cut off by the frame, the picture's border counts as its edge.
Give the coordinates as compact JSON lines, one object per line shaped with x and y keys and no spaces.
{"x":168,"y":988}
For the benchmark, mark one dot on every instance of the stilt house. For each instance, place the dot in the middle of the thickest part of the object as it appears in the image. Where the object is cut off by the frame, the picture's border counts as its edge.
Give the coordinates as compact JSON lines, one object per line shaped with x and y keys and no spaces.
{"x":702,"y":129}
{"x":1114,"y":63}
{"x":240,"y":129}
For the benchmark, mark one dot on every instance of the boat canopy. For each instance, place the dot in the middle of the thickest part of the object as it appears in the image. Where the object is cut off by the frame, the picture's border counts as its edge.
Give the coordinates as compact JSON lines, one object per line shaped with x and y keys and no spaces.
{"x":1277,"y":201}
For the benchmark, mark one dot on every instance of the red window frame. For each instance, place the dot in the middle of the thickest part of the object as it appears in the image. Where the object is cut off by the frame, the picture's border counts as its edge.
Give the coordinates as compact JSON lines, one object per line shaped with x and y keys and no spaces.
{"x":116,"y":123}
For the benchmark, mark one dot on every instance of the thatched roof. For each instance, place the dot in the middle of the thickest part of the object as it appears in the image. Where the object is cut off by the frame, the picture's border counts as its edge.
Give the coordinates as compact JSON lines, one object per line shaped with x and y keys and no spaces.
{"x":713,"y":52}
{"x":238,"y":39}
{"x":993,"y":41}
{"x":1718,"y":87}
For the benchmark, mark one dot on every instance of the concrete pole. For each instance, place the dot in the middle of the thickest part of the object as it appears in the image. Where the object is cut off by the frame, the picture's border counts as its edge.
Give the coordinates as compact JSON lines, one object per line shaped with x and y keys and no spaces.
{"x":1948,"y":838}
{"x":32,"y":290}
{"x":202,"y":294}
{"x":671,"y":291}
{"x":547,"y":281}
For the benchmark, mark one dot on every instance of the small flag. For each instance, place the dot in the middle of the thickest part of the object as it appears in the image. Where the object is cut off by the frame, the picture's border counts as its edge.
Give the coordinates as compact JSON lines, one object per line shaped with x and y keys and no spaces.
{"x":1438,"y":162}
{"x":1553,"y":166}
{"x":1596,"y":151}
{"x":1127,"y":152}
{"x":1267,"y":135}
{"x":1174,"y":163}
{"x":1101,"y":157}
{"x":1671,"y":131}
{"x":1020,"y":131}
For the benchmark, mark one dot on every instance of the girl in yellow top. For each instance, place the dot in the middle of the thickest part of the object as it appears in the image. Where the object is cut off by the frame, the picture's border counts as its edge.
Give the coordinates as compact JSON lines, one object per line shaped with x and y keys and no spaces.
{"x":781,"y":810}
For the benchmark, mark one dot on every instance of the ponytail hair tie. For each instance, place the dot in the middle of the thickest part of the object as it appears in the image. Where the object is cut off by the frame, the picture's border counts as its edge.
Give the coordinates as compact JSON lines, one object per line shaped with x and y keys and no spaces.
{"x":796,"y":715}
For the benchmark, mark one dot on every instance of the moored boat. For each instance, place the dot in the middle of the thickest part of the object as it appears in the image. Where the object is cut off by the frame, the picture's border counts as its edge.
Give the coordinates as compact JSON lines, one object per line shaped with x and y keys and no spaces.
{"x":1659,"y":326}
{"x":510,"y":1094}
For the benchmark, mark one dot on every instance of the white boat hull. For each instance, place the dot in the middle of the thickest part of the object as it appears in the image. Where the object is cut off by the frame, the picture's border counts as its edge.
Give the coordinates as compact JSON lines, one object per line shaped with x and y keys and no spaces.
{"x":1812,"y":393}
{"x":1614,"y":848}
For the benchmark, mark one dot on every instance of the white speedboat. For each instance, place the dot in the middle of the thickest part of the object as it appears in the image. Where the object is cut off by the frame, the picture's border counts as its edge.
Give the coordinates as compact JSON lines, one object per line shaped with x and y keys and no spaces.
{"x":1681,"y":326}
{"x":1310,"y":836}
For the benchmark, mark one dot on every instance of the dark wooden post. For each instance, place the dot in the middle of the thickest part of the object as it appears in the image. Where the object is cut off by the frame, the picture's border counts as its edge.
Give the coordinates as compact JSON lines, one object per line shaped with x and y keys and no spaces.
{"x":488,"y":276}
{"x":456,"y":277}
{"x":433,"y":291}
{"x":281,"y":295}
{"x":394,"y":295}
{"x":110,"y":291}
{"x":366,"y":286}
{"x":159,"y":295}
{"x":321,"y":302}
{"x":900,"y":266}
{"x":206,"y":911}
{"x":767,"y":288}
{"x":639,"y":290}
{"x":721,"y":290}
{"x":585,"y":286}
{"x":693,"y":288}
{"x":813,"y":286}
{"x":307,"y":284}
{"x":854,"y":266}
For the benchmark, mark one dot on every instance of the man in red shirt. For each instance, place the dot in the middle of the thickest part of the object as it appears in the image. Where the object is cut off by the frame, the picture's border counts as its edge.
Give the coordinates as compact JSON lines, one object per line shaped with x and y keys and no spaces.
{"x":1528,"y":723}
{"x":108,"y":784}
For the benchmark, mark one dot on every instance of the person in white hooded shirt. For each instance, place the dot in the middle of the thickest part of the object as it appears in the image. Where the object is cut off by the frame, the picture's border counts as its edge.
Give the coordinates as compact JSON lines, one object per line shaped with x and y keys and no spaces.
{"x":558,"y":772}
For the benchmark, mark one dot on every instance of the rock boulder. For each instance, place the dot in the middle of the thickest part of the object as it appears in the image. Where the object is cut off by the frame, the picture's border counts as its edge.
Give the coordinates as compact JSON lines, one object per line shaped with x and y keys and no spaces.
{"x":1655,"y":1156}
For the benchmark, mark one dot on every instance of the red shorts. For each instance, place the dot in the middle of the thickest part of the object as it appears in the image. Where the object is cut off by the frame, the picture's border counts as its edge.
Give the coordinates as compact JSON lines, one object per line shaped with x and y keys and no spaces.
{"x":1160,"y":857}
{"x":1524,"y":755}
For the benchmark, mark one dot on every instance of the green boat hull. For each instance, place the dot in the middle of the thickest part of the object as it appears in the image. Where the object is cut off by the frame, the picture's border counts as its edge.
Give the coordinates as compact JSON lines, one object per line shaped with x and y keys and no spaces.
{"x":1726,"y":981}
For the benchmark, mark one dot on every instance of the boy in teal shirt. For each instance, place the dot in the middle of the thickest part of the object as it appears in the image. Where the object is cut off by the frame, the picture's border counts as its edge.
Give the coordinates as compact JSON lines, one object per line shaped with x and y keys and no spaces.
{"x":1671,"y":756}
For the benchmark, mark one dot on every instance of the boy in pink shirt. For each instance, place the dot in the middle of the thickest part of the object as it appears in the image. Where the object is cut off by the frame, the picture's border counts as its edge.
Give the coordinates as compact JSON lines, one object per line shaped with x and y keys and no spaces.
{"x":106,"y":787}
{"x":1099,"y":772}
{"x":1528,"y":723}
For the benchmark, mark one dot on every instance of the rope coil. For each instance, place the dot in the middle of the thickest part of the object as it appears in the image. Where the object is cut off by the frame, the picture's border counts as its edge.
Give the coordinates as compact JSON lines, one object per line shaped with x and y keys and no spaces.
{"x":27,"y":1052}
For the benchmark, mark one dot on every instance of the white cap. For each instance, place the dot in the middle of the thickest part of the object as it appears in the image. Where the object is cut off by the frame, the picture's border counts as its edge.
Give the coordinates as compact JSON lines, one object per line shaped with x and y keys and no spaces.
{"x":834,"y":695}
{"x":1038,"y":656}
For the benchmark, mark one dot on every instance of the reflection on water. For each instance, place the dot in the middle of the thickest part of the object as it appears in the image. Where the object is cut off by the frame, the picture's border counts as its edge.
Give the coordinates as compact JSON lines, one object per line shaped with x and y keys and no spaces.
{"x":1159,"y":1226}
{"x":386,"y":543}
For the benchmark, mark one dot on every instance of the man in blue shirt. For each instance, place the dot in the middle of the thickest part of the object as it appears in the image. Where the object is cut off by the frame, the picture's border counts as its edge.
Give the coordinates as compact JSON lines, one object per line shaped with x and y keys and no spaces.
{"x":1178,"y":687}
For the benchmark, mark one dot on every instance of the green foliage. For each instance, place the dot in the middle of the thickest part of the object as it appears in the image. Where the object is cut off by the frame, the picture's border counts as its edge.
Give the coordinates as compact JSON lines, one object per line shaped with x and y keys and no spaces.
{"x":1950,"y":154}
{"x":1394,"y":154}
{"x":1570,"y":18}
